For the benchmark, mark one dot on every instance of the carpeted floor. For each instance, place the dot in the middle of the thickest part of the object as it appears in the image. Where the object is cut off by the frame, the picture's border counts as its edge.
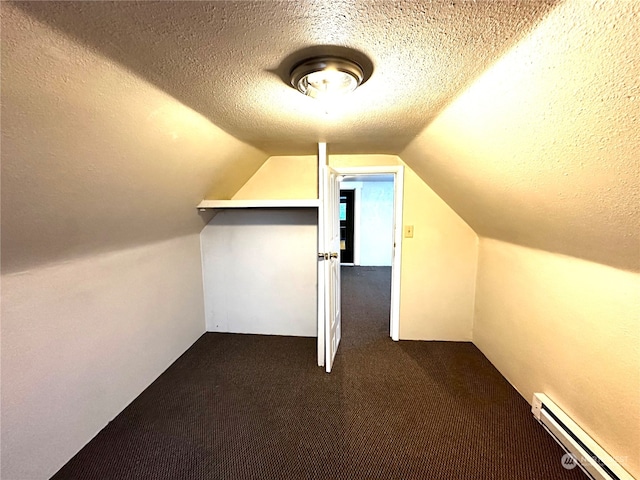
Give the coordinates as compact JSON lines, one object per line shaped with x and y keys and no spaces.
{"x":258,"y":407}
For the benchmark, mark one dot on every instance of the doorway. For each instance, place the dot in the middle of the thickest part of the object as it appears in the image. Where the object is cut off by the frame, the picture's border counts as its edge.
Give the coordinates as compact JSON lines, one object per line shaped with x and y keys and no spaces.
{"x":329,"y":179}
{"x":386,"y":250}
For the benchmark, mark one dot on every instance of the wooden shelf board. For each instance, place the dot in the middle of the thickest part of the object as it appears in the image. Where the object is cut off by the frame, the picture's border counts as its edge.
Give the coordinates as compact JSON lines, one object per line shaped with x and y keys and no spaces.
{"x":293,"y":203}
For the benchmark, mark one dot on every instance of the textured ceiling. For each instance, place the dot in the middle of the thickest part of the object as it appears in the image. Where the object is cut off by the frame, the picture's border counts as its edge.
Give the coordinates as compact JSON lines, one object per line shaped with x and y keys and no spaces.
{"x":226,"y":60}
{"x":96,"y":159}
{"x":522,"y":116}
{"x":543,"y":149}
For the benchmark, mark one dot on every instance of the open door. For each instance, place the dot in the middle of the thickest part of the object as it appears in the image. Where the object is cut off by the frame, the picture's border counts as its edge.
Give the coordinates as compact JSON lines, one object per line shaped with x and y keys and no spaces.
{"x":333,"y":324}
{"x":329,"y":318}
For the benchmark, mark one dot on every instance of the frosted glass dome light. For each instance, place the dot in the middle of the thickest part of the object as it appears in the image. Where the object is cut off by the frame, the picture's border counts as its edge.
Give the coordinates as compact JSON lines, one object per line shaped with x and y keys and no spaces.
{"x":326,"y":76}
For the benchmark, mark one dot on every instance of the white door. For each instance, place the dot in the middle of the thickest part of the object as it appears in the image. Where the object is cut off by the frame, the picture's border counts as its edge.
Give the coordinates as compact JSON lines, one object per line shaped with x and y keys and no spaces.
{"x":329,"y":319}
{"x":332,"y":322}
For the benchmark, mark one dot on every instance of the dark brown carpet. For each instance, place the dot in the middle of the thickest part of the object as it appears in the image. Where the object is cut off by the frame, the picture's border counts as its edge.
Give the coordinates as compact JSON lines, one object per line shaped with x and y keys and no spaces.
{"x":258,"y":407}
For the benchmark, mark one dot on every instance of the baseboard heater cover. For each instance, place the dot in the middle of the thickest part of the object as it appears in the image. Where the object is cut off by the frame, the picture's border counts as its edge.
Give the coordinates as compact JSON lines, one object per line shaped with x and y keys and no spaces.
{"x":587,"y":454}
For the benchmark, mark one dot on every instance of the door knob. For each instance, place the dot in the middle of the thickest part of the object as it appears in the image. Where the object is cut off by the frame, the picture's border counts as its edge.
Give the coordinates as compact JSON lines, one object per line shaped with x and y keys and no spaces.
{"x":333,"y":255}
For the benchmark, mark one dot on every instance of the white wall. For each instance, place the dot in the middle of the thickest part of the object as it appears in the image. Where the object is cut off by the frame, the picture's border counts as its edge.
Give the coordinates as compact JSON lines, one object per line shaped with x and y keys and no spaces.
{"x":438,"y":272}
{"x":82,"y":339}
{"x":376,"y":223}
{"x":259,"y":268}
{"x":568,"y":328}
{"x":282,"y":178}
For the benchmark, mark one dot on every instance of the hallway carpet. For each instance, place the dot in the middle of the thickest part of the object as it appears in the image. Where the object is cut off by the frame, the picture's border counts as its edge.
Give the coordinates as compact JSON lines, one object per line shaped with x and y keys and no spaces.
{"x":257,"y":407}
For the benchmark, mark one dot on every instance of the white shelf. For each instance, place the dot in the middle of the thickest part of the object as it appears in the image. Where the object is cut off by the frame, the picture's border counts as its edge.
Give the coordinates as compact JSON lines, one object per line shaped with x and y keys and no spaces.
{"x":294,"y":203}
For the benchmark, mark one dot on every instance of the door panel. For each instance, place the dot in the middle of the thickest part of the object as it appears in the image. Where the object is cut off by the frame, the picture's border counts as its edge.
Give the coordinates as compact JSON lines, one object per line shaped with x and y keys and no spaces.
{"x":329,"y":318}
{"x":322,"y":271}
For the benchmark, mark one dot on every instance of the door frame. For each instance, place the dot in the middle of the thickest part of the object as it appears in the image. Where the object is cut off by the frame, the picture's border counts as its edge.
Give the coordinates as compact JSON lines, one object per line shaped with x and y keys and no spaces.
{"x":398,"y":194}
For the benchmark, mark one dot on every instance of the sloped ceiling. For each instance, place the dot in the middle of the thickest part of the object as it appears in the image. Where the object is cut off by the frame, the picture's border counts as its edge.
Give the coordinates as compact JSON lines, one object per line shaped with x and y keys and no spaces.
{"x":118,"y":117}
{"x":95,"y":158}
{"x":226,"y":60}
{"x":543,"y":150}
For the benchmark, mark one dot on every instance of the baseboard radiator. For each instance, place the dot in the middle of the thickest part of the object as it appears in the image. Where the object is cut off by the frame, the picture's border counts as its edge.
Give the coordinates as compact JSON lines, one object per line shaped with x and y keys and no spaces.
{"x":584,"y":451}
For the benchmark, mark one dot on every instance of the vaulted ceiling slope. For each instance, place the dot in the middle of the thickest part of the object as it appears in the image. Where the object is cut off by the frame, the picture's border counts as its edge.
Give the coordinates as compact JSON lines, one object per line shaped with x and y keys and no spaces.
{"x":118,"y":117}
{"x":543,"y":149}
{"x":228,"y":60}
{"x":95,"y":158}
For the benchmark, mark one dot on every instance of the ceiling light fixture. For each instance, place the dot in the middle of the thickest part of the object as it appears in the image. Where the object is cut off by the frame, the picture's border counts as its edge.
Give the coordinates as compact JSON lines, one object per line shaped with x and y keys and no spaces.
{"x":322,"y":77}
